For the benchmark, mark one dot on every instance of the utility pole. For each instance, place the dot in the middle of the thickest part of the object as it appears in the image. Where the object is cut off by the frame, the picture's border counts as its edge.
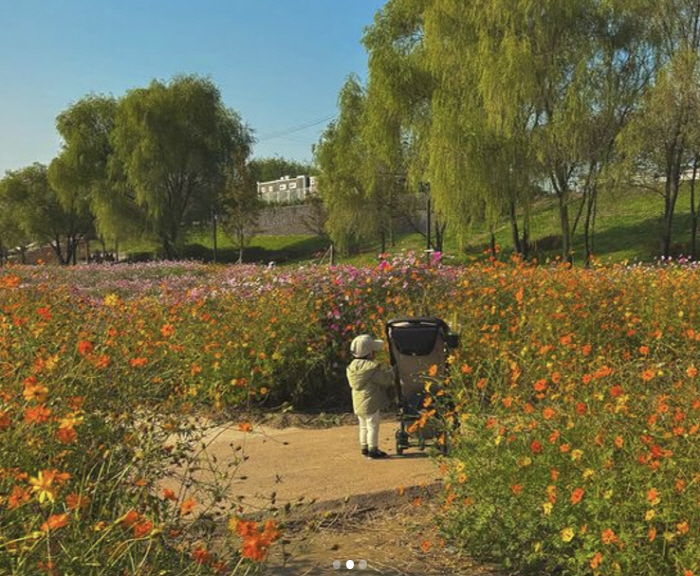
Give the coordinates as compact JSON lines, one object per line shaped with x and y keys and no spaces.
{"x":213,"y":236}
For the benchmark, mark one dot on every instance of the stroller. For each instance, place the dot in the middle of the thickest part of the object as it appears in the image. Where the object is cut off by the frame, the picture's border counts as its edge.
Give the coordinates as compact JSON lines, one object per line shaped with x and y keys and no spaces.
{"x":417,"y":347}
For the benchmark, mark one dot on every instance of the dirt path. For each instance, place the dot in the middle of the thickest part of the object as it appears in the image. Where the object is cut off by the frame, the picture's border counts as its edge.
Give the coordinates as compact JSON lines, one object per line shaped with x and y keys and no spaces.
{"x":377,"y":513}
{"x":319,"y":465}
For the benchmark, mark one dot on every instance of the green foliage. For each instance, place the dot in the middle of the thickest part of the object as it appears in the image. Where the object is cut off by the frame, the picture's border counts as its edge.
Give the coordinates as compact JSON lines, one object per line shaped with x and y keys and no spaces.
{"x":41,"y":214}
{"x":266,"y":169}
{"x":177,"y":144}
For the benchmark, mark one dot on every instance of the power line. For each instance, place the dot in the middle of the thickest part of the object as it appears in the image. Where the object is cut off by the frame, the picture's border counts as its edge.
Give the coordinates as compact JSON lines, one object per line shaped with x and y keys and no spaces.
{"x":293,"y":129}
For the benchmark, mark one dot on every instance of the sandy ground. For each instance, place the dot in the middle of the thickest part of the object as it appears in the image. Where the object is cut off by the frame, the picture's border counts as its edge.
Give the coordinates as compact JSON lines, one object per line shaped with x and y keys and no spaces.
{"x":377,"y":513}
{"x":317,"y":464}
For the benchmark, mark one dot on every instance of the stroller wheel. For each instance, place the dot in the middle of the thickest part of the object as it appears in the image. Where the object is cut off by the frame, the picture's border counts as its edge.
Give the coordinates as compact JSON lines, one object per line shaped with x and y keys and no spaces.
{"x":444,"y":444}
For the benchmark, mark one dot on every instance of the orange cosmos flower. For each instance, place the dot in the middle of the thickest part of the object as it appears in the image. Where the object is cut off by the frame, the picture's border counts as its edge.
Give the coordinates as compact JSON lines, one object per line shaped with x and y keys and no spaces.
{"x":54,"y":522}
{"x":187,"y":506}
{"x":683,"y":527}
{"x":37,"y":414}
{"x":425,"y":546}
{"x":653,"y":496}
{"x":101,"y":361}
{"x":169,"y":494}
{"x":143,"y":529}
{"x":34,"y":392}
{"x":619,"y":441}
{"x":608,"y":536}
{"x":581,"y":408}
{"x":66,"y":435}
{"x":138,"y":362}
{"x":85,"y":347}
{"x":536,"y":447}
{"x":648,"y":374}
{"x":167,"y":330}
{"x":602,"y":372}
{"x":692,"y":372}
{"x":75,"y":501}
{"x":644,"y":350}
{"x":201,"y":555}
{"x":548,"y":413}
{"x":540,"y":385}
{"x":130,"y":518}
{"x":245,"y":427}
{"x":596,"y":560}
{"x":5,"y":420}
{"x":516,"y":489}
{"x":616,"y":391}
{"x":577,"y":495}
{"x":18,"y":497}
{"x":44,"y":312}
{"x":254,"y":548}
{"x":651,"y":534}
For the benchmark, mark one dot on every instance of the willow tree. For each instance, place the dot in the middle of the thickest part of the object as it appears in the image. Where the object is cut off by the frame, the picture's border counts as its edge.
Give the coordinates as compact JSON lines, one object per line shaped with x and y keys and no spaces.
{"x":398,"y":109}
{"x":340,"y":156}
{"x":176,"y":142}
{"x":661,"y":142}
{"x":40,"y":213}
{"x":85,"y":167}
{"x":478,"y":164}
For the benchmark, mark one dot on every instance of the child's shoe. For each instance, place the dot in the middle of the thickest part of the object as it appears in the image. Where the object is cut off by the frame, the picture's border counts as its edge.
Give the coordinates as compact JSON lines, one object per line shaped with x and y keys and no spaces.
{"x":376,"y":453}
{"x":365,"y":451}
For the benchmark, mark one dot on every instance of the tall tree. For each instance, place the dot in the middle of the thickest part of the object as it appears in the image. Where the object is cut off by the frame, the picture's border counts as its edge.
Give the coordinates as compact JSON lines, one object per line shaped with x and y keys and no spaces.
{"x":398,"y":108}
{"x":87,"y":170}
{"x":661,"y":141}
{"x":42,"y":214}
{"x":340,"y":156}
{"x":241,"y":206}
{"x":176,"y":143}
{"x":12,"y":236}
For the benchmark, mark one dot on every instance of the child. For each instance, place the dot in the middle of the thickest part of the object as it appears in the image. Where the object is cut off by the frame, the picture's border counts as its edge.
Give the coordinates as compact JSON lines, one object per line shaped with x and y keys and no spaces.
{"x":370,"y":382}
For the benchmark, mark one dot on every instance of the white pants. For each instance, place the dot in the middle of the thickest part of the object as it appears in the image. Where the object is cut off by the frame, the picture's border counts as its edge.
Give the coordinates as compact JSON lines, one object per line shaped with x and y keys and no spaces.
{"x":369,"y":430}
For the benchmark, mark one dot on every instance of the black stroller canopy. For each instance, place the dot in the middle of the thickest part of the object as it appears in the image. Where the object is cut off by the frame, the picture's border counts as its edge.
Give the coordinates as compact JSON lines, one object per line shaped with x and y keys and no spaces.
{"x":415,"y":336}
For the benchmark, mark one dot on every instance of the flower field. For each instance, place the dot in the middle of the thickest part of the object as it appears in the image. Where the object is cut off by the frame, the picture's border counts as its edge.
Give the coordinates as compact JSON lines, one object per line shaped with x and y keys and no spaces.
{"x":575,"y":391}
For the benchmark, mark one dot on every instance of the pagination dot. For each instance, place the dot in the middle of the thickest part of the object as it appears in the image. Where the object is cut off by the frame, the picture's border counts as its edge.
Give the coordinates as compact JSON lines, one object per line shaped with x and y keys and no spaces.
{"x":362,"y":564}
{"x":350,"y":564}
{"x":336,"y":564}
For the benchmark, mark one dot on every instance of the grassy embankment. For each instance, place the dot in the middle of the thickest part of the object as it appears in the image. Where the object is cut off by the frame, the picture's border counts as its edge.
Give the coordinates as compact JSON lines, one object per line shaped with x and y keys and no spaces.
{"x":627,"y":229}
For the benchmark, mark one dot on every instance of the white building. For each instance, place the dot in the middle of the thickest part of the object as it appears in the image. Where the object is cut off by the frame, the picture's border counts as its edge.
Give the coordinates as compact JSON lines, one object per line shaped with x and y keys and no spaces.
{"x":287,"y":189}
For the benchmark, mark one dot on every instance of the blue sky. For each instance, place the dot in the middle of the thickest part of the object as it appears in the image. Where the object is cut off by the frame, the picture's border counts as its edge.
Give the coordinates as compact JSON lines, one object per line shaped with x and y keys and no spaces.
{"x":279,"y":63}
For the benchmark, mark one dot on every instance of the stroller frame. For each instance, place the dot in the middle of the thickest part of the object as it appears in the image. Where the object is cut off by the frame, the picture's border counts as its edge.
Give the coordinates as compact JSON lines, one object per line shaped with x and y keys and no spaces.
{"x":415,"y":345}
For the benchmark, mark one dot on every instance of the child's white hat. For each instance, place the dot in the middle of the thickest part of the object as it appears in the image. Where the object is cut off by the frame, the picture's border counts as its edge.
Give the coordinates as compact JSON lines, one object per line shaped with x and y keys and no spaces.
{"x":364,"y":345}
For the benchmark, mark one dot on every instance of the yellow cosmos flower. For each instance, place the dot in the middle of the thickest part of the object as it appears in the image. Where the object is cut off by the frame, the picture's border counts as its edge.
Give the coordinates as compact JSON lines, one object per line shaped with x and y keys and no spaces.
{"x":111,"y":300}
{"x":567,"y":534}
{"x":547,"y":508}
{"x":576,"y":454}
{"x":42,"y":484}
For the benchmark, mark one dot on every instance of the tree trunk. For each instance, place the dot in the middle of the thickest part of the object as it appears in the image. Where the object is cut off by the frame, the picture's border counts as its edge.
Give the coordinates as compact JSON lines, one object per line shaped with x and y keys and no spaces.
{"x":565,"y":229}
{"x":515,"y":233}
{"x":525,"y":242}
{"x":589,"y":224}
{"x":693,"y":211}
